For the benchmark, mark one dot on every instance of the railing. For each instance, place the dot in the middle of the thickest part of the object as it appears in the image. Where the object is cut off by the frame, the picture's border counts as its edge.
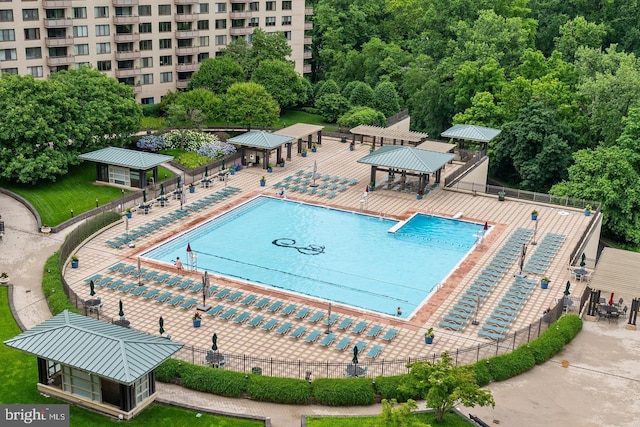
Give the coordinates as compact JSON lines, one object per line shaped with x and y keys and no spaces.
{"x":453,"y":177}
{"x":398,"y":117}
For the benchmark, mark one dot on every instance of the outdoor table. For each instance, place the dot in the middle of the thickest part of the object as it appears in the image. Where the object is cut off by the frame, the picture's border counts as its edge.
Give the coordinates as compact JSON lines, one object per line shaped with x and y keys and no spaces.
{"x":216,"y":360}
{"x":608,"y":308}
{"x":93,"y":304}
{"x":354,"y":370}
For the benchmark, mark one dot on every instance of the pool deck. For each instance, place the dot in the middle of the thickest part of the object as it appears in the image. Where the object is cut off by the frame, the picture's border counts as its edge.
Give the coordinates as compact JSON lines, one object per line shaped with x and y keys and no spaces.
{"x":335,"y":159}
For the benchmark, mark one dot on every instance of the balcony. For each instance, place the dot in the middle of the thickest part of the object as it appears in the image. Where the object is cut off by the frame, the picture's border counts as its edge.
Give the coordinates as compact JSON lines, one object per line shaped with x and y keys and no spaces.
{"x":191,"y":66}
{"x":308,"y":40}
{"x":308,"y":25}
{"x":56,"y":4}
{"x":241,"y":31}
{"x":186,"y":17}
{"x":186,"y":34}
{"x":127,"y":54}
{"x":187,"y":50}
{"x":125,"y":3}
{"x":137,"y":88}
{"x":308,"y":11}
{"x":58,"y":23}
{"x":58,"y":41}
{"x":56,"y":61}
{"x":186,"y":1}
{"x":240,"y":15}
{"x":126,"y":19}
{"x":124,"y":38}
{"x":127,"y":72}
{"x":307,"y":54}
{"x":306,"y":69}
{"x":182,"y":84}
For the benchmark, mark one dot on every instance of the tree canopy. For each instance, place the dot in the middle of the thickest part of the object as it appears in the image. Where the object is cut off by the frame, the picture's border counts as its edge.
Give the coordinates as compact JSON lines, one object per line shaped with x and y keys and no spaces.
{"x":249,"y":104}
{"x":217,"y":74}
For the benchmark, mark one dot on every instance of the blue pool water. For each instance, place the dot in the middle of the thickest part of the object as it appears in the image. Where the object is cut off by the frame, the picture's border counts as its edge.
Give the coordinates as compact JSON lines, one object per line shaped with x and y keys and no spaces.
{"x":326,"y":253}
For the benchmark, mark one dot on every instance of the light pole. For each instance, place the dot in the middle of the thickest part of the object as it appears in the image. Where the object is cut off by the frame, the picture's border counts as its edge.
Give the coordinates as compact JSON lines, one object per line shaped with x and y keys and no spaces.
{"x":535,"y":231}
{"x":122,"y":204}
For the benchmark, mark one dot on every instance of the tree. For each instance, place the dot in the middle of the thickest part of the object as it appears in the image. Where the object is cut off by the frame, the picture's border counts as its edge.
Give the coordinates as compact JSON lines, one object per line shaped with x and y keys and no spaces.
{"x":217,"y":74}
{"x":249,"y":104}
{"x":579,"y":32}
{"x":194,"y":108}
{"x":483,"y":112}
{"x":476,"y":76}
{"x":263,"y":46}
{"x":282,"y":82}
{"x":444,"y":385}
{"x":398,"y":416}
{"x":385,"y":99}
{"x":361,"y":116}
{"x":362,"y":94}
{"x":331,"y":106}
{"x":326,"y":87}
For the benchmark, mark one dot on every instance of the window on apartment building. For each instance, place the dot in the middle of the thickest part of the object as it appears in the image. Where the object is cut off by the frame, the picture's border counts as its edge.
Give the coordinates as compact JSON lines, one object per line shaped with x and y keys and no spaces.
{"x":6,"y":15}
{"x":79,"y":13}
{"x":103,"y":47}
{"x":165,"y":43}
{"x":185,"y":59}
{"x":79,"y":65}
{"x":254,"y":6}
{"x":202,"y":56}
{"x":35,"y":71}
{"x":101,"y":11}
{"x":144,"y":10}
{"x":146,"y":45}
{"x":146,"y":62}
{"x":124,"y":11}
{"x":271,"y":5}
{"x":287,"y":35}
{"x":81,"y":49}
{"x":166,"y":60}
{"x":237,"y":7}
{"x":185,"y":43}
{"x":203,"y":41}
{"x":286,"y":5}
{"x":254,"y":22}
{"x":12,"y":70}
{"x":30,"y":14}
{"x":7,"y":35}
{"x":144,"y":27}
{"x":147,"y":101}
{"x":203,"y":25}
{"x":166,"y":77}
{"x":124,"y":47}
{"x":237,"y":23}
{"x":203,"y":8}
{"x":221,"y":24}
{"x":164,"y":9}
{"x":249,"y":38}
{"x":103,"y":65}
{"x":270,"y":21}
{"x":8,"y":55}
{"x":146,"y":79}
{"x":80,"y":31}
{"x":124,"y":29}
{"x":183,"y":9}
{"x":184,"y":26}
{"x":56,"y":52}
{"x":221,"y":7}
{"x":221,"y":40}
{"x":33,"y":52}
{"x":102,"y":30}
{"x":32,"y":33}
{"x":164,"y":27}
{"x":286,"y":20}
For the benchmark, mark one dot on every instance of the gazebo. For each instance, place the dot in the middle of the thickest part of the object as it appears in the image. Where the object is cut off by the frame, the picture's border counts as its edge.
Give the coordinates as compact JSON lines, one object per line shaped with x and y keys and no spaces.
{"x":260,"y":141}
{"x":471,"y":133}
{"x":407,"y":161}
{"x":299,"y":131}
{"x":125,"y":167}
{"x":95,"y":364}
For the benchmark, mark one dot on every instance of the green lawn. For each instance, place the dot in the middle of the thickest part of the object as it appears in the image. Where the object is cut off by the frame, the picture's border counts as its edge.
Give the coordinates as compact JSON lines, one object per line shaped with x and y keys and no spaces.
{"x":450,"y":420}
{"x":19,"y":375}
{"x":76,"y":190}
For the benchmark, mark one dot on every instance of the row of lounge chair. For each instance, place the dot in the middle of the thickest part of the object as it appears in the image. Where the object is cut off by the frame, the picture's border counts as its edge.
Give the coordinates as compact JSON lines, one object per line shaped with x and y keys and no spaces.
{"x":544,"y":253}
{"x":146,"y":229}
{"x":207,"y":201}
{"x":482,"y":286}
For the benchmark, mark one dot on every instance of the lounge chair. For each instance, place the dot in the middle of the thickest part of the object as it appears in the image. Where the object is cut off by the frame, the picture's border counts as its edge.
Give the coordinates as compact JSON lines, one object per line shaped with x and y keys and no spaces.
{"x":242,"y":317}
{"x":94,"y":278}
{"x":284,"y":328}
{"x":223,"y":293}
{"x":390,"y":335}
{"x":273,"y":308}
{"x":343,"y":343}
{"x":317,"y":316}
{"x":248,"y":300}
{"x":302,"y":313}
{"x":115,"y":285}
{"x":327,"y":340}
{"x":313,"y":336}
{"x":139,"y":290}
{"x":215,"y":310}
{"x":489,"y":334}
{"x":235,"y":296}
{"x":189,"y":303}
{"x":331,"y":195}
{"x":139,"y":273}
{"x":175,"y":300}
{"x":322,"y":192}
{"x":103,"y":282}
{"x":298,"y":332}
{"x":450,"y":325}
{"x":262,"y":303}
{"x":150,"y":275}
{"x":162,"y":277}
{"x":173,"y":281}
{"x":361,"y":345}
{"x":186,"y":284}
{"x":331,"y":320}
{"x":116,"y":267}
{"x":272,"y":323}
{"x":114,"y":245}
{"x":256,"y":321}
{"x":498,"y":322}
{"x":289,"y":309}
{"x":344,"y":325}
{"x":374,"y":352}
{"x":360,"y":327}
{"x":127,"y":288}
{"x":496,"y":329}
{"x":375,"y":331}
{"x":163,"y":297}
{"x":229,"y":314}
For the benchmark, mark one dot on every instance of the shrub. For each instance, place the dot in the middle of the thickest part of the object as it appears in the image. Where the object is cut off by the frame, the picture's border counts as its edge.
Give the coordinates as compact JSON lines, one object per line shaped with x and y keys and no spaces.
{"x":571,"y":324}
{"x":343,"y":392}
{"x":361,"y":116}
{"x":151,"y":143}
{"x":388,"y":388}
{"x":483,"y":376}
{"x":151,"y":110}
{"x":168,"y":370}
{"x":216,"y":381}
{"x":217,"y":149}
{"x":331,"y":106}
{"x":361,"y":94}
{"x":188,"y":139}
{"x":511,"y":364}
{"x":279,"y":390}
{"x":545,"y":347}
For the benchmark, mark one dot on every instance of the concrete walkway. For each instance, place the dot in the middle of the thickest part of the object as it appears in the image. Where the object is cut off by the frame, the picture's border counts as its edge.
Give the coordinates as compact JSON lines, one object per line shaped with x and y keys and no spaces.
{"x":596,"y":388}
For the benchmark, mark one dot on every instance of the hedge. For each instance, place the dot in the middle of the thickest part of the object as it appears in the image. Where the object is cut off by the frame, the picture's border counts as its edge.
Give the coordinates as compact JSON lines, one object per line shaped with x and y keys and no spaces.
{"x":216,"y":381}
{"x":279,"y":390}
{"x":388,"y":388}
{"x":509,"y":365}
{"x":168,"y":370}
{"x":343,"y":392}
{"x":483,"y":376}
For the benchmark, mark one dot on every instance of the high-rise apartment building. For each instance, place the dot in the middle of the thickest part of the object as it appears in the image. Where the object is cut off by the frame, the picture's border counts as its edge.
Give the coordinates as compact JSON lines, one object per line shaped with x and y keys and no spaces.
{"x":154,"y":46}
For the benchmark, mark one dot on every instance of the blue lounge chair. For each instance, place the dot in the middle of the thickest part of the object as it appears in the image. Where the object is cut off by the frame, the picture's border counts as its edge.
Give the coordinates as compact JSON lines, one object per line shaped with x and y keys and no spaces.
{"x":498,"y":322}
{"x":304,"y":312}
{"x":314,"y":190}
{"x":317,"y":316}
{"x":248,"y":300}
{"x":262,"y":303}
{"x":189,"y":303}
{"x":343,"y":343}
{"x":127,"y":288}
{"x":114,"y":245}
{"x":322,"y":192}
{"x":186,"y":284}
{"x":175,"y":300}
{"x":116,"y":267}
{"x":300,"y":172}
{"x":289,"y":309}
{"x":242,"y":317}
{"x":229,"y":314}
{"x":150,"y":275}
{"x":235,"y":296}
{"x":491,"y":335}
{"x":162,"y":277}
{"x":197,"y":287}
{"x":298,"y":332}
{"x":335,"y":179}
{"x":273,"y":308}
{"x":115,"y":285}
{"x":173,"y":281}
{"x":215,"y":310}
{"x":137,"y":273}
{"x":313,"y":336}
{"x":94,"y":278}
{"x":272,"y":323}
{"x":449,"y":325}
{"x":390,"y":335}
{"x":103,"y":282}
{"x":139,"y":290}
{"x":360,"y":327}
{"x":374,"y":331}
{"x":284,"y":328}
{"x":256,"y":321}
{"x":344,"y":325}
{"x":330,"y":320}
{"x":327,"y":340}
{"x":223,"y":293}
{"x":331,"y":195}
{"x":163,"y":297}
{"x":374,"y":352}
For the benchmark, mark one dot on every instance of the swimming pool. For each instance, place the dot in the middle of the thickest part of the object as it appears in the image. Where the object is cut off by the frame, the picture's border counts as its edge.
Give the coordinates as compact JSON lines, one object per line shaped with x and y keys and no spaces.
{"x":331,"y":254}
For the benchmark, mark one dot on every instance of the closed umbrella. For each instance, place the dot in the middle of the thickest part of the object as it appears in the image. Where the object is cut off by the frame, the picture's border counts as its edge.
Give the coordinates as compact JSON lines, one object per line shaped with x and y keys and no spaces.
{"x":355,"y":355}
{"x":583,"y":260}
{"x":121,"y":312}
{"x":144,"y":196}
{"x":523,"y":254}
{"x":566,"y":290}
{"x":611,"y":299}
{"x":161,"y":323}
{"x":178,"y":182}
{"x":206,"y":171}
{"x":162,"y":188}
{"x":214,"y":342}
{"x":92,"y":290}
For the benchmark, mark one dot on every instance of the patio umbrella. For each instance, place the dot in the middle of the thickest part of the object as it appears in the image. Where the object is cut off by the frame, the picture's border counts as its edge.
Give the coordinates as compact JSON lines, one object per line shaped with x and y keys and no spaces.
{"x":205,"y":287}
{"x":523,"y":254}
{"x":611,"y":299}
{"x":583,"y":260}
{"x":206,"y":171}
{"x":121,"y":312}
{"x":92,"y":290}
{"x":188,"y":247}
{"x":162,"y":189}
{"x":214,"y":342}
{"x":222,"y":163}
{"x":355,"y":355}
{"x":144,"y":196}
{"x":566,"y":290}
{"x":139,"y":271}
{"x":178,"y":182}
{"x":161,"y":323}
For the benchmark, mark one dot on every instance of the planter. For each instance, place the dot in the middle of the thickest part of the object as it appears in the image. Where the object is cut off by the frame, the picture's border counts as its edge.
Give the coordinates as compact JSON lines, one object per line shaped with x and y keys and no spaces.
{"x":197,"y":323}
{"x":269,"y":170}
{"x":501,"y":195}
{"x":351,"y":148}
{"x":428,"y":340}
{"x":544,"y":284}
{"x":534,"y":217}
{"x":313,"y":150}
{"x":418,"y":197}
{"x":304,"y":154}
{"x":192,"y":189}
{"x":74,"y":264}
{"x":343,"y":139}
{"x":128,"y":215}
{"x":282,"y":164}
{"x":45,"y":230}
{"x":371,"y":150}
{"x":587,"y":213}
{"x":4,"y":280}
{"x":232,"y":171}
{"x":546,"y":318}
{"x":263,"y":183}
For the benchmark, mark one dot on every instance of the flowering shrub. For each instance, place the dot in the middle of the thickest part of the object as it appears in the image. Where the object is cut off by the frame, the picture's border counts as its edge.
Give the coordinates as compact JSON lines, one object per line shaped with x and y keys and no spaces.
{"x":196,"y":316}
{"x":151,"y":143}
{"x":217,"y":149}
{"x":188,"y":139}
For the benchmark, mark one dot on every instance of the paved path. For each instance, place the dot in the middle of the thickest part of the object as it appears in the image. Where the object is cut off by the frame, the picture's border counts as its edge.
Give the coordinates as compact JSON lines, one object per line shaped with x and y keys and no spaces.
{"x":597,"y":388}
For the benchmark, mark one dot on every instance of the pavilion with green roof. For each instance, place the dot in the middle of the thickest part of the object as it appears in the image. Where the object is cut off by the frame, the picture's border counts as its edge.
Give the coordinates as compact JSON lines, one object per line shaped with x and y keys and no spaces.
{"x":471,"y":133}
{"x":257,"y":142}
{"x":408,"y":161}
{"x":95,"y":364}
{"x":125,"y":167}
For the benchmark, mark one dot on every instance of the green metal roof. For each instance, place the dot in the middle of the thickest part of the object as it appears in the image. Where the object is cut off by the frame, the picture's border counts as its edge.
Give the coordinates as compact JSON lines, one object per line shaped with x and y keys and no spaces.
{"x":108,"y":350}
{"x":471,"y":133}
{"x":407,"y":158}
{"x":260,"y":139}
{"x":126,"y":158}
